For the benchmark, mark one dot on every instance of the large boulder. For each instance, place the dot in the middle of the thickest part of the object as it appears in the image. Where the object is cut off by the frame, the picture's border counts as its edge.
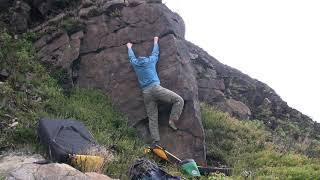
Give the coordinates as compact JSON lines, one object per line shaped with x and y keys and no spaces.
{"x":20,"y":17}
{"x":96,"y":57}
{"x":11,"y":161}
{"x":235,"y":108}
{"x":32,"y":171}
{"x":54,"y":171}
{"x":234,"y":92}
{"x":89,"y":45}
{"x":16,"y":166}
{"x":104,"y":64}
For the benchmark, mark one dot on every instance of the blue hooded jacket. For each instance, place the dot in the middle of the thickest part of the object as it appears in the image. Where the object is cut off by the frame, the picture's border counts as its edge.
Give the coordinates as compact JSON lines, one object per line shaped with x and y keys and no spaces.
{"x":145,"y":67}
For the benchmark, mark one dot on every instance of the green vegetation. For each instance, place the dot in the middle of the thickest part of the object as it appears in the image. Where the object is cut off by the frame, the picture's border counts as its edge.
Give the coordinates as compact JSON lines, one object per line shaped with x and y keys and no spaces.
{"x":71,"y":25}
{"x":30,"y":93}
{"x":246,"y":146}
{"x":23,"y":92}
{"x":115,"y":13}
{"x":227,"y":137}
{"x":108,"y":126}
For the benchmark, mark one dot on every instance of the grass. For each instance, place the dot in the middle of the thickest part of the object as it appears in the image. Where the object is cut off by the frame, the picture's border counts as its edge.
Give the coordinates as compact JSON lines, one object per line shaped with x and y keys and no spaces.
{"x":247,"y":147}
{"x":115,"y":13}
{"x":22,"y":93}
{"x":227,"y":137}
{"x":30,"y":93}
{"x":71,"y":25}
{"x":109,"y":127}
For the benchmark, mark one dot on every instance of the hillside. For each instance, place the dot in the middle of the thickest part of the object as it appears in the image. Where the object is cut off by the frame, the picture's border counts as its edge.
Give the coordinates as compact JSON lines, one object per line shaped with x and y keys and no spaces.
{"x":69,"y":60}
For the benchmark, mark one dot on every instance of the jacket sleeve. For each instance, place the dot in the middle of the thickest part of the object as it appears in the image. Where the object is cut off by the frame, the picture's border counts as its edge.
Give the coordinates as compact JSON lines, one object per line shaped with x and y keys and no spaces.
{"x":131,"y":55}
{"x":155,"y":53}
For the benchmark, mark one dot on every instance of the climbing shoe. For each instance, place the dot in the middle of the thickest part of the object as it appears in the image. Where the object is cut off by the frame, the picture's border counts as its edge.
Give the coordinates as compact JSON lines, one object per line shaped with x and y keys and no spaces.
{"x":172,"y":125}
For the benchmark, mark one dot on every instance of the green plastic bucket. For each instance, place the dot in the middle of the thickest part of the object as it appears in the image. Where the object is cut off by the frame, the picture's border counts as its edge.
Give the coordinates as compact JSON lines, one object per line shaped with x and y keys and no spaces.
{"x":190,"y":167}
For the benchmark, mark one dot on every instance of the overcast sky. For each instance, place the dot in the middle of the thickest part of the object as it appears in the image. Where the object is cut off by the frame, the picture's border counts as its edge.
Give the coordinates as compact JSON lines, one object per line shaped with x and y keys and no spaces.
{"x":274,"y":41}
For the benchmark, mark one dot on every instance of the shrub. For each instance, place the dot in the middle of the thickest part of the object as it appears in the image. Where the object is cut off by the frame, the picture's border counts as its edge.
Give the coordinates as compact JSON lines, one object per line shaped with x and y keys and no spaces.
{"x":115,"y":13}
{"x":227,"y":138}
{"x":22,"y":92}
{"x":109,"y":127}
{"x":71,"y":25}
{"x":30,"y":93}
{"x":246,"y":146}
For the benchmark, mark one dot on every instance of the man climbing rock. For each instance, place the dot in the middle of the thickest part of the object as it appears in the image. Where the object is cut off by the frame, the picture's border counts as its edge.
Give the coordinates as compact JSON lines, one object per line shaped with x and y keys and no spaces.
{"x":145,"y":68}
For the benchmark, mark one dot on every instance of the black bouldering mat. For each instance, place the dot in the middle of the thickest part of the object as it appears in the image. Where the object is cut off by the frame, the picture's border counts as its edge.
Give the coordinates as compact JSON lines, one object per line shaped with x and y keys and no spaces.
{"x":144,"y":169}
{"x":64,"y":137}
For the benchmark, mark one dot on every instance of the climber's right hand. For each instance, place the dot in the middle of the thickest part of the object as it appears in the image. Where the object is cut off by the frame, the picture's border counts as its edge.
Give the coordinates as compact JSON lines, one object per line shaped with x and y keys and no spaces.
{"x":155,"y":39}
{"x":129,"y":45}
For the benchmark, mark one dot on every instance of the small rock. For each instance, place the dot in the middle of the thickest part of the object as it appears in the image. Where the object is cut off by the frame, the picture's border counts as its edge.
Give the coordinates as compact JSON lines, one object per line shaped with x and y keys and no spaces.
{"x":266,"y":102}
{"x":15,"y":167}
{"x":37,"y":99}
{"x":4,"y":74}
{"x":110,"y":3}
{"x":193,"y":56}
{"x":22,"y":6}
{"x":13,"y":124}
{"x":88,"y":12}
{"x":12,"y":161}
{"x":77,"y":35}
{"x":20,"y":17}
{"x":86,"y":3}
{"x":135,"y":2}
{"x":96,"y":176}
{"x":239,"y":109}
{"x":235,"y":108}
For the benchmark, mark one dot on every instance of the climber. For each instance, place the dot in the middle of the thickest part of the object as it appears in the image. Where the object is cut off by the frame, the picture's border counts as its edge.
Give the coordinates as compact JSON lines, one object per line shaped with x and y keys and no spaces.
{"x":145,"y":68}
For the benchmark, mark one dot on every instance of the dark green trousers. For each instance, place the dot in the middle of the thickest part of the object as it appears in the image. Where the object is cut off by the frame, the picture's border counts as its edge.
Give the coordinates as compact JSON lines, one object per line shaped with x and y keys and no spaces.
{"x":151,"y":96}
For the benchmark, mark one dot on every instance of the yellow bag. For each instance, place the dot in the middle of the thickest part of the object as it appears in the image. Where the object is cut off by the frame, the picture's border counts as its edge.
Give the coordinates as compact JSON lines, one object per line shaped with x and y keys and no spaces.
{"x":87,"y":163}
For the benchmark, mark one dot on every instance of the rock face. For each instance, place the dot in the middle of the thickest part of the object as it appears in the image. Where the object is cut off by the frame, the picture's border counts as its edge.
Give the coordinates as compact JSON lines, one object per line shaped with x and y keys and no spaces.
{"x":104,"y":64}
{"x":19,"y":166}
{"x":9,"y":162}
{"x":95,"y":56}
{"x":232,"y":91}
{"x":4,"y":4}
{"x":87,"y":45}
{"x":54,"y":171}
{"x":51,"y":171}
{"x":20,"y":17}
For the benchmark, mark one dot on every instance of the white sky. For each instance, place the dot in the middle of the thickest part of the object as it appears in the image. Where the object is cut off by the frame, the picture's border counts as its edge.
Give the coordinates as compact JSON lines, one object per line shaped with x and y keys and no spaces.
{"x":274,"y":41}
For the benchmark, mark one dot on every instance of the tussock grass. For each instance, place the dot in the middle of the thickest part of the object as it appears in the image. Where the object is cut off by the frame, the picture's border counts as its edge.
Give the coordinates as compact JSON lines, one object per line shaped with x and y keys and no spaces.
{"x":30,"y":93}
{"x":248,"y":148}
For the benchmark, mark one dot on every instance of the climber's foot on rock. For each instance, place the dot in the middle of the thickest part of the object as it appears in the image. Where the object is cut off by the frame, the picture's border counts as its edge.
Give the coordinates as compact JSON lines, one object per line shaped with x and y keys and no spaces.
{"x":172,"y":125}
